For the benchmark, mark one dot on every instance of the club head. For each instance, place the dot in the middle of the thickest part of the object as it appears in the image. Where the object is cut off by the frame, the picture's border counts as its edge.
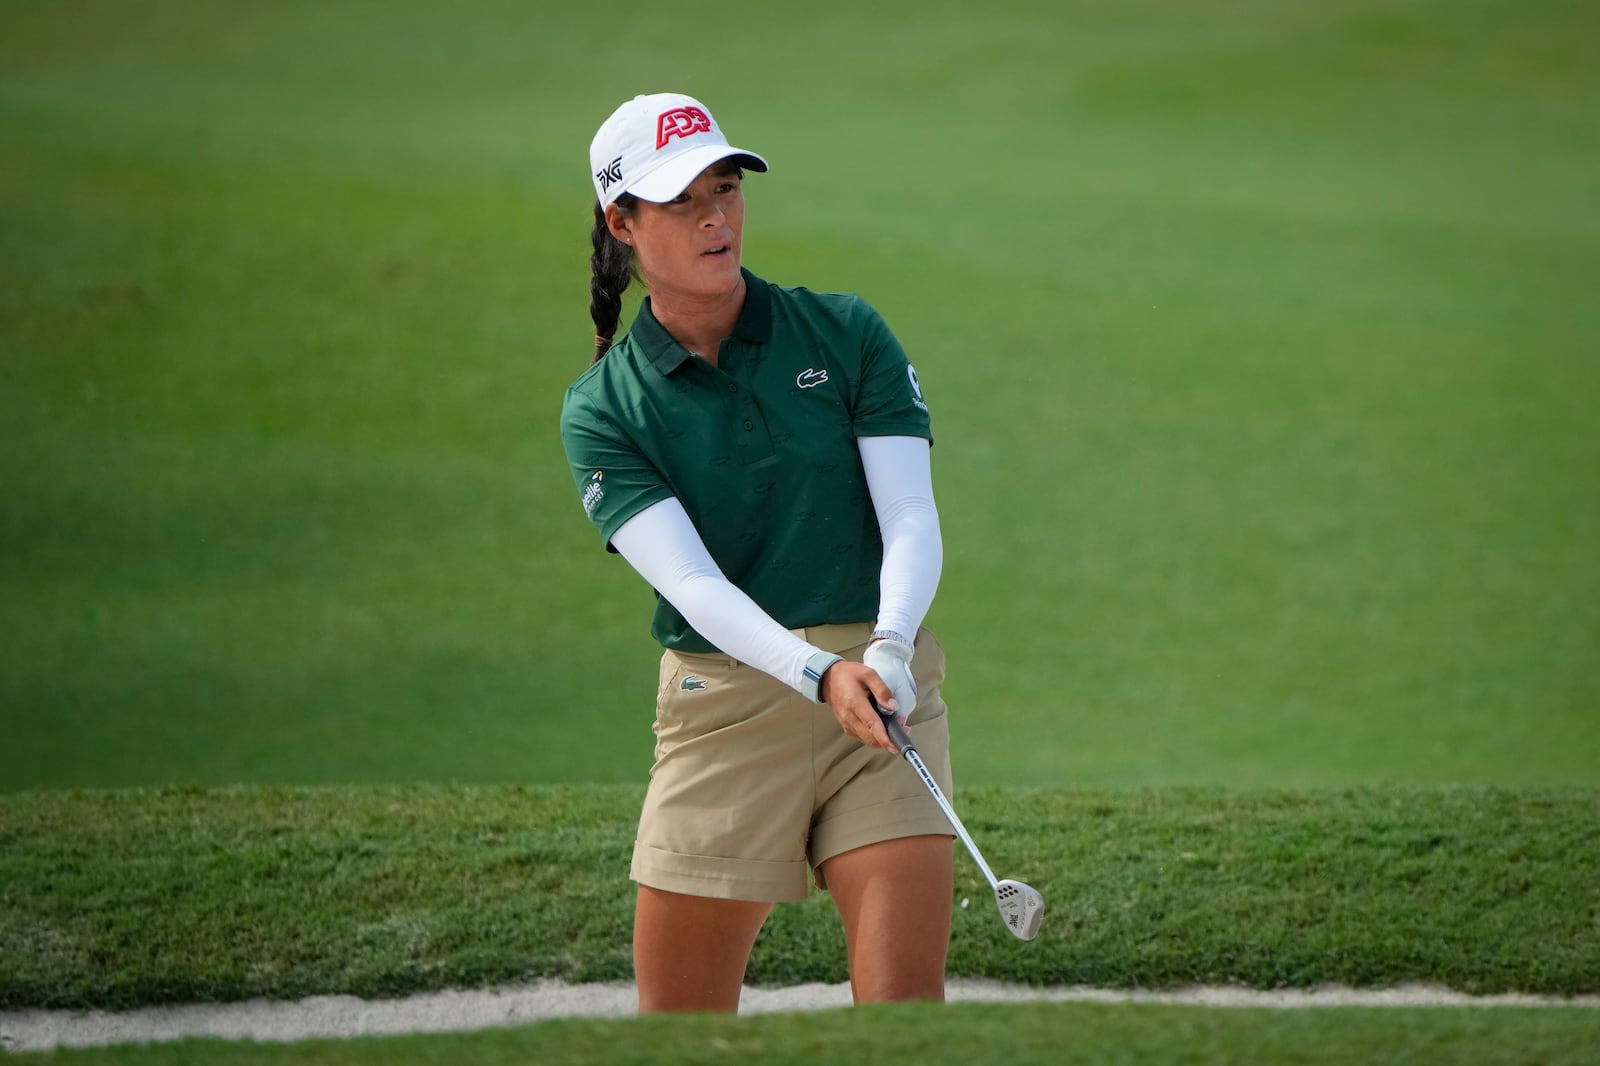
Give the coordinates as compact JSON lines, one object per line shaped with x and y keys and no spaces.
{"x":1021,"y":908}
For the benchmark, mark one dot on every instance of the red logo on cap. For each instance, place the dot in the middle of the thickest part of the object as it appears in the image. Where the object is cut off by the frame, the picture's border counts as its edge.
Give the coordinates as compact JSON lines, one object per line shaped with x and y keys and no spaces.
{"x":681,"y":122}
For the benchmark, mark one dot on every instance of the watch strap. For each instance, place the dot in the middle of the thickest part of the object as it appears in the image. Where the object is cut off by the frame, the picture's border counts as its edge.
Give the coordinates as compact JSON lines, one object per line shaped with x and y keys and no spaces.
{"x":815,"y":667}
{"x":889,"y":634}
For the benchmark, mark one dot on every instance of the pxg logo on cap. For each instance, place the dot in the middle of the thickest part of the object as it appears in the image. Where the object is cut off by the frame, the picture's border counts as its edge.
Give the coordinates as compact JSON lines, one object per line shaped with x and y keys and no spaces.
{"x":654,"y":146}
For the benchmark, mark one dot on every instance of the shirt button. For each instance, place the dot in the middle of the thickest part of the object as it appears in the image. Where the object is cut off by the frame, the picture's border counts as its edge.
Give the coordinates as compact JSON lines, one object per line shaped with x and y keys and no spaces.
{"x":749,"y":424}
{"x":733,"y":388}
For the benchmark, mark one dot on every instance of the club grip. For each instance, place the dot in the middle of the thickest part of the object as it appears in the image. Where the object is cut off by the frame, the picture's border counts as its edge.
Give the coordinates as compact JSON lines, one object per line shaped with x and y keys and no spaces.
{"x":897,"y":732}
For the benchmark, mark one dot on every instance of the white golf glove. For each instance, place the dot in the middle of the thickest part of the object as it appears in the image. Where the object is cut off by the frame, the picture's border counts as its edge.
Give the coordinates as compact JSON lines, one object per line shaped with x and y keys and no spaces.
{"x":889,"y":656}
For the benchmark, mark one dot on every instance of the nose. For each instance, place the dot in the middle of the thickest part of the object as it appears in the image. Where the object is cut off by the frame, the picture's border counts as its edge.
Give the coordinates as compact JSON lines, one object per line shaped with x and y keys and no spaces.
{"x":712,"y":216}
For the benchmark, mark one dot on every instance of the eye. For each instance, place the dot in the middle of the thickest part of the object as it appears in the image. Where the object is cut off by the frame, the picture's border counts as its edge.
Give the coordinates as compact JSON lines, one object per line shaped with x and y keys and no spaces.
{"x":727,"y":186}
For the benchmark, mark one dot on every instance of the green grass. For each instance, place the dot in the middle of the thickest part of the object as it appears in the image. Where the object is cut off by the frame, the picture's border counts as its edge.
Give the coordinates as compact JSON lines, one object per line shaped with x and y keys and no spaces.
{"x":1259,"y":340}
{"x":115,"y":899}
{"x":1025,"y":1034}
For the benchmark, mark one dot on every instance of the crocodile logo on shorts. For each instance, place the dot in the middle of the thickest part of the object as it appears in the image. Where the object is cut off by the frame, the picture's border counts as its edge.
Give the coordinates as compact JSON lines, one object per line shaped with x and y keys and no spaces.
{"x":693,"y":683}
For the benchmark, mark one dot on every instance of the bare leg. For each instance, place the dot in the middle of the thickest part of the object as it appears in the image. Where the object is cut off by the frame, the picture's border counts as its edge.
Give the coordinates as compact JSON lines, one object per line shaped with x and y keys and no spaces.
{"x":894,"y":899}
{"x":690,"y":952}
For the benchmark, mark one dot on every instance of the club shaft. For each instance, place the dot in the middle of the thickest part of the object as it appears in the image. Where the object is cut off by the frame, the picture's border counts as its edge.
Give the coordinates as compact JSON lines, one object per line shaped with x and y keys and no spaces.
{"x":902,"y":740}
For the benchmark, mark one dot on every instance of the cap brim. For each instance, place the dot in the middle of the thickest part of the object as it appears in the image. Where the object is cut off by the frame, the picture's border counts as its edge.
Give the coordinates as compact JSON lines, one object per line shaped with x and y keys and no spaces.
{"x":672,"y":177}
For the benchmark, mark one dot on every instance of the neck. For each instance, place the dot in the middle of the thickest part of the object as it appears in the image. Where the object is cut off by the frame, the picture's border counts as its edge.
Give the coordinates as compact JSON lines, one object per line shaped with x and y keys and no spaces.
{"x":696,"y":321}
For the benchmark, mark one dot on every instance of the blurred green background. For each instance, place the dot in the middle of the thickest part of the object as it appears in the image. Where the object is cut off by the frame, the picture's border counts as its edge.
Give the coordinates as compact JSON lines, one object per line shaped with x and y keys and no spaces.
{"x":1260,"y":340}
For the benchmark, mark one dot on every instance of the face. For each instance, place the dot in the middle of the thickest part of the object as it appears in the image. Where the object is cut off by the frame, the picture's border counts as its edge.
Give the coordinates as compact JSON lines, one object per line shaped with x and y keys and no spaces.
{"x":690,"y":246}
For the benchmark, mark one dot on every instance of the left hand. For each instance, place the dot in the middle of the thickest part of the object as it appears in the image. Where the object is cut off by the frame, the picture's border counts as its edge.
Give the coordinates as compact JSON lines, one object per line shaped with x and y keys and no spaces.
{"x":890,"y":659}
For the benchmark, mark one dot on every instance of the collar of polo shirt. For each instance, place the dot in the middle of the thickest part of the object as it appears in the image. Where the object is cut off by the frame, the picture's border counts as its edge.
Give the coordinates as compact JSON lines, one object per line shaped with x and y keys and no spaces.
{"x":666,"y":355}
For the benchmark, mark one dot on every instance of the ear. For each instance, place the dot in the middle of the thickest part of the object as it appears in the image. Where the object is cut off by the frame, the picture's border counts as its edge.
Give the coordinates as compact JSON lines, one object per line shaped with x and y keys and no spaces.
{"x":620,"y":225}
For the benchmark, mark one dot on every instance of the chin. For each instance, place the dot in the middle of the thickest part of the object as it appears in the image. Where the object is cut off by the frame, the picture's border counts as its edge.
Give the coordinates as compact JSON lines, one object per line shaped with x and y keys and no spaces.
{"x":727,"y":268}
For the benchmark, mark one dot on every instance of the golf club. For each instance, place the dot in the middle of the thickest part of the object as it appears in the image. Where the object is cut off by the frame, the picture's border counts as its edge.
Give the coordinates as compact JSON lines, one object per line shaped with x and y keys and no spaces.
{"x":1021,"y":906}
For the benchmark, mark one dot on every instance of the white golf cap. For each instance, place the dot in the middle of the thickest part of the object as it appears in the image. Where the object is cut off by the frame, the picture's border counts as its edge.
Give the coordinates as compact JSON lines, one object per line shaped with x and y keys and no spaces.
{"x":654,"y":146}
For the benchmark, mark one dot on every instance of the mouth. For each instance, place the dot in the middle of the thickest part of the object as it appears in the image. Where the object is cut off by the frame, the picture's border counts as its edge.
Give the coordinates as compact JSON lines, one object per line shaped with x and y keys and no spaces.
{"x":718,"y":251}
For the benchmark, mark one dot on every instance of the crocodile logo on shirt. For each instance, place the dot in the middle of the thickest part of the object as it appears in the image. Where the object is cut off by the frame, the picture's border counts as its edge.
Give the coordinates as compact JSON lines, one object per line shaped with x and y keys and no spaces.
{"x":810,"y":378}
{"x":694,"y":683}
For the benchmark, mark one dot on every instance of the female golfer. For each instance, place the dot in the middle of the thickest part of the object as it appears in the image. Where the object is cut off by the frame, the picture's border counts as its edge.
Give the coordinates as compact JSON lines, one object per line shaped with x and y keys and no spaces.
{"x":760,"y":455}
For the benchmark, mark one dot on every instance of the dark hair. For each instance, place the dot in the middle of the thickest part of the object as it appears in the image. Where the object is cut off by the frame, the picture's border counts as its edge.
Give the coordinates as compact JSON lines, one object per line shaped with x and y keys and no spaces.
{"x":611,"y":267}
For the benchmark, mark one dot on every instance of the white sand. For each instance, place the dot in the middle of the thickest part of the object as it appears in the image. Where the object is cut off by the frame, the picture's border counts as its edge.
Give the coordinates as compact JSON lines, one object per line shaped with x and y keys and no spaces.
{"x":347,"y":1016}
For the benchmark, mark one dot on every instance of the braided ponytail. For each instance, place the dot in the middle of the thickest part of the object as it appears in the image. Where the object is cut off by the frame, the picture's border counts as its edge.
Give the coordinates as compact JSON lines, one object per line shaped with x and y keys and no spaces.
{"x":611,"y":267}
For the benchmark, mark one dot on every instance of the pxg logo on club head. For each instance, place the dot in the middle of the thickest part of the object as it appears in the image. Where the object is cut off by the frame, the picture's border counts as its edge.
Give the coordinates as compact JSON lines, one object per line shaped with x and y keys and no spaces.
{"x":1021,"y":907}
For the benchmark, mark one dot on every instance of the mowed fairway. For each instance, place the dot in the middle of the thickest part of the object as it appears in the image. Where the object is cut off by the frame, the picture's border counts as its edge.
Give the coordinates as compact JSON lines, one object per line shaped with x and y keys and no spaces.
{"x":1034,"y":1035}
{"x":1260,"y":341}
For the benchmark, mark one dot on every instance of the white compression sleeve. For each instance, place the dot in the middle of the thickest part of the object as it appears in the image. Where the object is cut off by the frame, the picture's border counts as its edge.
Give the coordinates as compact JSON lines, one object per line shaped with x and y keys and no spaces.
{"x":900,"y":478}
{"x":662,"y":544}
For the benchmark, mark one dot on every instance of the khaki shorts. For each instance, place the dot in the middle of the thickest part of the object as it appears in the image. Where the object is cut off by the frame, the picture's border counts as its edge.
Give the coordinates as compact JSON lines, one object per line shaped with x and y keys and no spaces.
{"x":753,"y":783}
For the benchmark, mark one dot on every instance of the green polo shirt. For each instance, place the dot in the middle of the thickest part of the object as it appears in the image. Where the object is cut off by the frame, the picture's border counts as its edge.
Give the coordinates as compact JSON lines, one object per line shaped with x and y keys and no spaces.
{"x":760,"y":449}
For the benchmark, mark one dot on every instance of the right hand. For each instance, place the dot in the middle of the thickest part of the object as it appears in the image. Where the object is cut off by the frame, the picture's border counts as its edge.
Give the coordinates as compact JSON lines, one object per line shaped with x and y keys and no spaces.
{"x":844,"y":689}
